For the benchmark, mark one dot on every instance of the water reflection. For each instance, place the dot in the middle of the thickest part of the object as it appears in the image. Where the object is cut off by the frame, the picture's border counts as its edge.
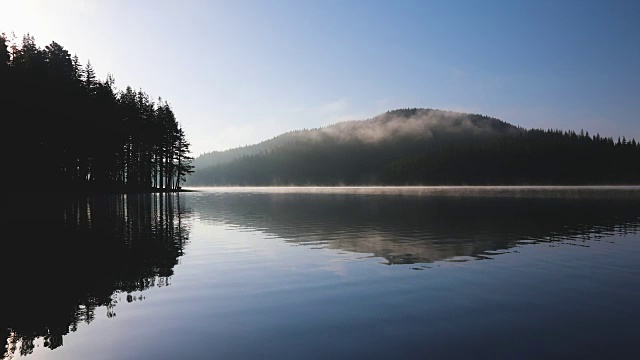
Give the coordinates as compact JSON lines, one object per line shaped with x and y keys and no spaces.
{"x":424,"y":225}
{"x":71,"y":256}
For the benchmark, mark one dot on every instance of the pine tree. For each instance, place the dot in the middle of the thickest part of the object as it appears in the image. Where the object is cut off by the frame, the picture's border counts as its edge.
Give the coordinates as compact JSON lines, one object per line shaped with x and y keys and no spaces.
{"x":89,"y":79}
{"x":4,"y":52}
{"x":184,"y":162}
{"x":77,"y":68}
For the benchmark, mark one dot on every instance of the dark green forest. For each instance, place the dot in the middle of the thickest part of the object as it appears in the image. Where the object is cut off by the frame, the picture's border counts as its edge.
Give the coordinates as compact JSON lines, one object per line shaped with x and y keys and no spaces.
{"x":70,"y":131}
{"x":426,"y":147}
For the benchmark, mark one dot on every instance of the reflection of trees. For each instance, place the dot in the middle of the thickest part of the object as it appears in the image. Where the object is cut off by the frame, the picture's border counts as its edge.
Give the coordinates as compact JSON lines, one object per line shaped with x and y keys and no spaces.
{"x":73,"y":256}
{"x":406,"y":229}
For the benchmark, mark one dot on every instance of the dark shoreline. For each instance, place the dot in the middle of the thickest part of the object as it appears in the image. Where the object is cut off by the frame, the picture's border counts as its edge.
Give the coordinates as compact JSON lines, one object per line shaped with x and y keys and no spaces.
{"x":64,"y":192}
{"x":195,"y":187}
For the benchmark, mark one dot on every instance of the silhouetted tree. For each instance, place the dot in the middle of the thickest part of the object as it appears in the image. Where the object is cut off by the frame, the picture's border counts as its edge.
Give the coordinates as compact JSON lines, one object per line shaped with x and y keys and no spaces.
{"x":183,"y":165}
{"x":4,"y":53}
{"x":78,"y":132}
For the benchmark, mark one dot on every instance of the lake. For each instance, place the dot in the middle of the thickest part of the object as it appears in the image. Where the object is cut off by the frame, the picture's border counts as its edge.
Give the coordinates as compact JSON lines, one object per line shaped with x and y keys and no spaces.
{"x":324,"y":273}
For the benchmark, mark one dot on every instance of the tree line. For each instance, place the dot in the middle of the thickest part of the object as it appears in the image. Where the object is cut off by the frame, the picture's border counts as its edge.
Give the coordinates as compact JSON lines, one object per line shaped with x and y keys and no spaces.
{"x":499,"y":154}
{"x":535,"y":156}
{"x":69,"y":130}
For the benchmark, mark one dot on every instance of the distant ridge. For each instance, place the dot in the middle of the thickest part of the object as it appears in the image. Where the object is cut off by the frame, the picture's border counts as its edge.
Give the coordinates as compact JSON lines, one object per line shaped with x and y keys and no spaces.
{"x":393,"y":121}
{"x":424,"y":147}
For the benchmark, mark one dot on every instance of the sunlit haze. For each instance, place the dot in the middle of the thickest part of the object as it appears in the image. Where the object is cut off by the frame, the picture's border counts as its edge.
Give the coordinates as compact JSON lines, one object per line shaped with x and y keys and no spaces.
{"x":238,"y":72}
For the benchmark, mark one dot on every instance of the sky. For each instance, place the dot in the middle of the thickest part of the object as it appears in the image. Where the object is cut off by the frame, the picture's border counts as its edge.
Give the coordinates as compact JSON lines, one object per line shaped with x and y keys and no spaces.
{"x":239,"y":72}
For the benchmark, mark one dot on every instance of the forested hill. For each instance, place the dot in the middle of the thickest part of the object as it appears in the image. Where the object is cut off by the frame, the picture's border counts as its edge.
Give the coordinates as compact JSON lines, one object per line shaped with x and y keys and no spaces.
{"x":392,"y":125}
{"x":425,"y":147}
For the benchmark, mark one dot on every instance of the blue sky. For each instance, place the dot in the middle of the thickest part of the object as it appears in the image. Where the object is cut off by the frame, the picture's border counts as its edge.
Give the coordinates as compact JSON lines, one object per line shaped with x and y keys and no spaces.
{"x":238,"y":72}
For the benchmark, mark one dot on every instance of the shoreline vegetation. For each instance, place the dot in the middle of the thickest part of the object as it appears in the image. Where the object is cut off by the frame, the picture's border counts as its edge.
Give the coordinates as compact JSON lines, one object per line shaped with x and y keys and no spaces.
{"x":60,"y":193}
{"x":118,"y":191}
{"x":80,"y":134}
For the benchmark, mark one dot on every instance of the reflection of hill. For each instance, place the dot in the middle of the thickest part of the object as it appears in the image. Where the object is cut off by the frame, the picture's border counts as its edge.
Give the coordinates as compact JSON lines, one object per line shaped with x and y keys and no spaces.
{"x":406,"y":227}
{"x":72,"y":256}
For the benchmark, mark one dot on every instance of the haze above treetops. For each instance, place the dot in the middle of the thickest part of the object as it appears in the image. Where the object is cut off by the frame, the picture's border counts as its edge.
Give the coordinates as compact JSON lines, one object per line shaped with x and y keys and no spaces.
{"x":393,"y":125}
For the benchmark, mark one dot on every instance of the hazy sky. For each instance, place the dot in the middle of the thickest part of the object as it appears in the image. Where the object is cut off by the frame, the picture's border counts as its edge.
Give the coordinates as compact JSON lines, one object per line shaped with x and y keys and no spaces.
{"x":238,"y":72}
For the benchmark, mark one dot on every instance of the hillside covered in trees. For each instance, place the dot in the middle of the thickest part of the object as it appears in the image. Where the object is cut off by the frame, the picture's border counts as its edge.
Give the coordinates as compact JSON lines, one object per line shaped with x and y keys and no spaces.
{"x":425,"y":147}
{"x":68,"y":130}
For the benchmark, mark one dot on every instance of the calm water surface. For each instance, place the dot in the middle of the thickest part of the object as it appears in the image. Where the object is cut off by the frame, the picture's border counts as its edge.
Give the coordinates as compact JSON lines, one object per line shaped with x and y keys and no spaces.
{"x":311,"y":273}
